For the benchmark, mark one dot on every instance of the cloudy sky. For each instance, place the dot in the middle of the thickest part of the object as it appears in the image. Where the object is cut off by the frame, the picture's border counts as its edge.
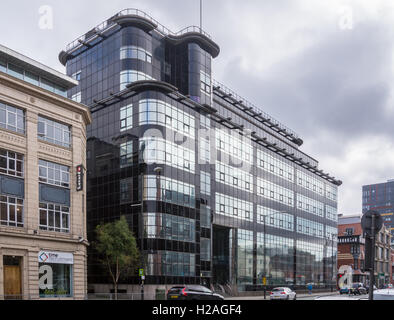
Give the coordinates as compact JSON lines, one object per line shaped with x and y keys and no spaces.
{"x":322,"y":67}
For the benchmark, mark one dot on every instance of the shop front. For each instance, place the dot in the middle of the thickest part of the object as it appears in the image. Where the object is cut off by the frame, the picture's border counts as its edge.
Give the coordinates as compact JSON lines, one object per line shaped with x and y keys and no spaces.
{"x":55,"y":274}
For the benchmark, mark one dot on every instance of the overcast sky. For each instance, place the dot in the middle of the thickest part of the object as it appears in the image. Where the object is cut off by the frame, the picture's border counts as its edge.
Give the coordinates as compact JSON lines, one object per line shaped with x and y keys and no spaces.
{"x":324,"y":68}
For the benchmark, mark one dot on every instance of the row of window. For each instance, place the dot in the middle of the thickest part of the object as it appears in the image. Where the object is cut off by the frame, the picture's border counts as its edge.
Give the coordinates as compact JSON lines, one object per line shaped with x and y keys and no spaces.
{"x":126,"y":154}
{"x":52,"y":217}
{"x":331,"y":213}
{"x":206,"y":83}
{"x":234,"y":145}
{"x":134,"y":52}
{"x":310,"y":205}
{"x":274,"y":218}
{"x":11,"y":163}
{"x":233,"y":207}
{"x":55,"y":174}
{"x":169,"y":227}
{"x":233,"y":177}
{"x":313,"y":249}
{"x":310,"y":182}
{"x":153,"y":111}
{"x":172,"y":264}
{"x":54,"y":132}
{"x":277,"y":167}
{"x":331,"y":192}
{"x":130,"y":76}
{"x":331,"y":233}
{"x":205,"y":183}
{"x":32,"y":78}
{"x":310,"y":228}
{"x":205,"y":150}
{"x":274,"y":192}
{"x":160,"y":151}
{"x":171,"y":191}
{"x":126,"y":118}
{"x":13,"y":119}
{"x":11,"y":211}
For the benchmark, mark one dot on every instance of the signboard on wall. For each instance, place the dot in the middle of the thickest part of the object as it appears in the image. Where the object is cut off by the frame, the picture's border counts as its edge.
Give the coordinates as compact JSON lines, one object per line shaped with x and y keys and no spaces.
{"x":51,"y":257}
{"x":80,"y":178}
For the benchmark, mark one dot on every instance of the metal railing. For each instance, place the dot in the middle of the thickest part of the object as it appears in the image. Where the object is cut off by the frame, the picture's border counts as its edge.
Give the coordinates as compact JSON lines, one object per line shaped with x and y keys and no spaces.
{"x":107,"y":24}
{"x":248,"y":104}
{"x":193,"y":29}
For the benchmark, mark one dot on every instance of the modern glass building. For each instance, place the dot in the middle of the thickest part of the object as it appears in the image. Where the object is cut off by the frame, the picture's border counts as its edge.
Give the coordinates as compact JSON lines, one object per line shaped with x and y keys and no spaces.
{"x":228,"y":196}
{"x":380,"y":197}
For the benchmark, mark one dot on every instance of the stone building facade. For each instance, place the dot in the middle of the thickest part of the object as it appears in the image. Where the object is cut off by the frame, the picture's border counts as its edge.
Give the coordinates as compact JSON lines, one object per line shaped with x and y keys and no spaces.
{"x":42,"y":217}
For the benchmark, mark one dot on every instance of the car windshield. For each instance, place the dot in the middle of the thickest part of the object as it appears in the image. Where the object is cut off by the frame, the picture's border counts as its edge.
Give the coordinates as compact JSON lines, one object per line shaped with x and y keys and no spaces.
{"x":278,"y":289}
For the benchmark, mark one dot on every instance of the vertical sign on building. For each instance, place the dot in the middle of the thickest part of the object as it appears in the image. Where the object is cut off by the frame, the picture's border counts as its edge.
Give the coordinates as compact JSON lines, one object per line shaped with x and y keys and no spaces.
{"x":80,"y":178}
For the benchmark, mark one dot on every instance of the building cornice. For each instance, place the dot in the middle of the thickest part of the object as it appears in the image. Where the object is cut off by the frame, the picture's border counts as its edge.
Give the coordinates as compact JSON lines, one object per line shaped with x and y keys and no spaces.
{"x":48,"y":96}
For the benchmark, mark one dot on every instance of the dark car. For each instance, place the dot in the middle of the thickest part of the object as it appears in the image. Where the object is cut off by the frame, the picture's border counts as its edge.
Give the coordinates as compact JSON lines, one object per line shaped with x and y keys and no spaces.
{"x":192,"y":292}
{"x":358,"y":289}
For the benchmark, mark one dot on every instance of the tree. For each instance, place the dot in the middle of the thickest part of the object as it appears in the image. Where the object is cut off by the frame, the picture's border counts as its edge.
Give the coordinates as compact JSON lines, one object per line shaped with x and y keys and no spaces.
{"x":118,"y":247}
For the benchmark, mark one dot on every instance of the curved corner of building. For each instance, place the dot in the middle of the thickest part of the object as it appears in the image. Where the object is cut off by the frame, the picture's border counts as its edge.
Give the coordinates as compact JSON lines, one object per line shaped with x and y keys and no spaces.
{"x":135,"y":21}
{"x":196,"y":37}
{"x":63,"y":57}
{"x":152,"y":84}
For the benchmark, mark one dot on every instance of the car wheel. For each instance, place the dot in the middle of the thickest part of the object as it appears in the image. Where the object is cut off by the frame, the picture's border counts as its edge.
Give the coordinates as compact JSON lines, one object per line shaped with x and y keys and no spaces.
{"x":295,"y":297}
{"x":288,"y":297}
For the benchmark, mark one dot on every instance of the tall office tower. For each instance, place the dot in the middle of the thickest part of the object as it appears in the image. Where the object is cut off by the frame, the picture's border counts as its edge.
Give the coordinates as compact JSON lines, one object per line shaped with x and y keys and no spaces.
{"x":380,"y":197}
{"x":214,"y":171}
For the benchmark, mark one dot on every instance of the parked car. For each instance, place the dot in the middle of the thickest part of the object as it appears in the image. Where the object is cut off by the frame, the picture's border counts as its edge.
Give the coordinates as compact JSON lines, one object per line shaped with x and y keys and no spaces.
{"x":192,"y":292}
{"x":283,"y":294}
{"x":358,"y":289}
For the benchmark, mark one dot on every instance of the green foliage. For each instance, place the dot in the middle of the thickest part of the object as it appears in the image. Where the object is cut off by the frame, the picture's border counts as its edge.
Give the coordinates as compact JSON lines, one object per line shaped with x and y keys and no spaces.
{"x":118,"y":247}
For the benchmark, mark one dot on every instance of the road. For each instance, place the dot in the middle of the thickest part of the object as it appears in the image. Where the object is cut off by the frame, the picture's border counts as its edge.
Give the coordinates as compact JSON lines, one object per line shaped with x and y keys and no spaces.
{"x":335,"y":297}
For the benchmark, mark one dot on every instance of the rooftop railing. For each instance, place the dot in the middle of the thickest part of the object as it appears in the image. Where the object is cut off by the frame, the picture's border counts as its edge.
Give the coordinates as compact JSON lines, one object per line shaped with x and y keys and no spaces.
{"x":107,"y":24}
{"x":248,"y":104}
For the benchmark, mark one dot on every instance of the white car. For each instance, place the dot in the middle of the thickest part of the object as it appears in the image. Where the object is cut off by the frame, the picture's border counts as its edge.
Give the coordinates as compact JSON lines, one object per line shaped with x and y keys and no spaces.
{"x":283,"y":294}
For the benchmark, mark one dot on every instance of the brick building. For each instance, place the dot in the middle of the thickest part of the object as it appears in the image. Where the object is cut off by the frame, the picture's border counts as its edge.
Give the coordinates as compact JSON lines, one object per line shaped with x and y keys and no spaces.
{"x":351,"y":251}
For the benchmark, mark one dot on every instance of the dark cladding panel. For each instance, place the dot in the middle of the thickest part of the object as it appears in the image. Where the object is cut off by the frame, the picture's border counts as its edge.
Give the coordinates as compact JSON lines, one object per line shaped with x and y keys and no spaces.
{"x":12,"y":186}
{"x":54,"y":195}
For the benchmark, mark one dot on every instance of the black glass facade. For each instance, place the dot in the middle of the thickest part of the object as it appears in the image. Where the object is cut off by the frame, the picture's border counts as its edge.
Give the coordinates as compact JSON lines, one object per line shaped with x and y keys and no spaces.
{"x":380,"y":197}
{"x":228,"y":197}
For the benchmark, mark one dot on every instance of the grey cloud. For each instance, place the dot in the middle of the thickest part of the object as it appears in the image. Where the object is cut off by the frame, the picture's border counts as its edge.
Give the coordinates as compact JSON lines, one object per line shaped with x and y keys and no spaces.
{"x":333,"y":92}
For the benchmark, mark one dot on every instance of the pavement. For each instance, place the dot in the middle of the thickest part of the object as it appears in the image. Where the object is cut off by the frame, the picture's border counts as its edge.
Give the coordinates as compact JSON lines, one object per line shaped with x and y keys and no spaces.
{"x":306,"y":296}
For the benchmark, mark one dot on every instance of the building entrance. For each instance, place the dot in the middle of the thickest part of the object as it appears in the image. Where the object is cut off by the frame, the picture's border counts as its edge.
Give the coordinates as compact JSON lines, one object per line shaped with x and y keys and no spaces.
{"x":12,"y":278}
{"x":221,"y":255}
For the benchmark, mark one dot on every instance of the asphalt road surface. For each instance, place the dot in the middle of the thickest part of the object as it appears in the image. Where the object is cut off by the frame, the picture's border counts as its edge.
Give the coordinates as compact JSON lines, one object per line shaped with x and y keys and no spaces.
{"x":336,"y":297}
